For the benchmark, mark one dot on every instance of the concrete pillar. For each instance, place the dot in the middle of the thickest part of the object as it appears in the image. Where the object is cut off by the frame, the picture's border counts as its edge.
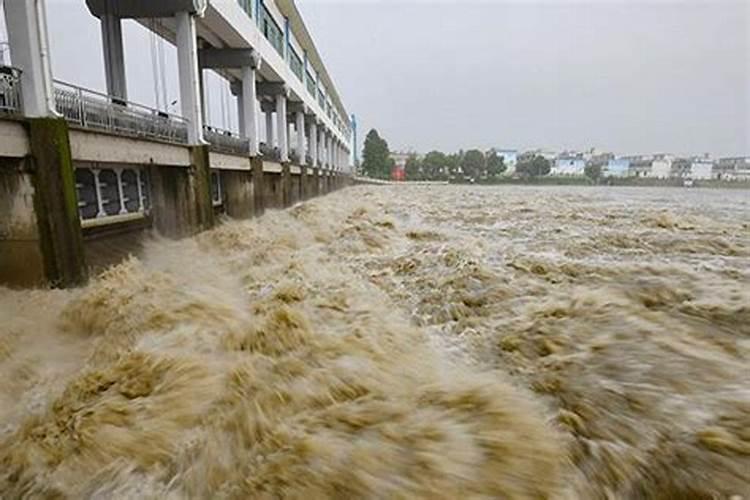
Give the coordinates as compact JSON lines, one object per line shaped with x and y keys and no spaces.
{"x":329,"y":150}
{"x":289,"y":136}
{"x":301,"y":137}
{"x":304,"y":189}
{"x":114,"y":56}
{"x":249,"y":108}
{"x":281,"y":128}
{"x":236,"y":87}
{"x":286,"y":185}
{"x":56,"y":202}
{"x":269,"y":129}
{"x":314,"y":142}
{"x":324,"y":148}
{"x":26,"y":21}
{"x":187,"y":61}
{"x":200,"y":189}
{"x":315,"y":181}
{"x":258,"y":185}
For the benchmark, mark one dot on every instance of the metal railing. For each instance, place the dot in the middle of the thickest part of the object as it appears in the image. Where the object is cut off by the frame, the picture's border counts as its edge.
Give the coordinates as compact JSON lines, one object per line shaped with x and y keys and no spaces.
{"x":97,"y":111}
{"x":224,"y":141}
{"x":10,"y":90}
{"x":311,"y":84}
{"x":246,"y":6}
{"x":296,"y":64}
{"x":271,"y":29}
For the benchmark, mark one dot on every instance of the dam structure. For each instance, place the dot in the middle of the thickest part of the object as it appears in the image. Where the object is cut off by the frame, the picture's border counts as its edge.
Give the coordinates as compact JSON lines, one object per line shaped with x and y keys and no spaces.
{"x":85,"y":176}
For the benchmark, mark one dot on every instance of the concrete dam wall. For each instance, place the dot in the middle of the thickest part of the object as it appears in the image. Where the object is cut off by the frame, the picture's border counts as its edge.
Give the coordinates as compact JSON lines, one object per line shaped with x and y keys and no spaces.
{"x":75,"y":201}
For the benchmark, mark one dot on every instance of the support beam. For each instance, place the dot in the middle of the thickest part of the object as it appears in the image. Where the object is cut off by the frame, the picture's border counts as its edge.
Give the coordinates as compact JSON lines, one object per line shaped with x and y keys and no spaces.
{"x":139,"y":9}
{"x":314,"y":143}
{"x":250,"y":108}
{"x":114,"y":56}
{"x":300,"y":125}
{"x":248,"y":62}
{"x":281,"y":127}
{"x":26,"y":21}
{"x":187,"y":60}
{"x":269,"y":129}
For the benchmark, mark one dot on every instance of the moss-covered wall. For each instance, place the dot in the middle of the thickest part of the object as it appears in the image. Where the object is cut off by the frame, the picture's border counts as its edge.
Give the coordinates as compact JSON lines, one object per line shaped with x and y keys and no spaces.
{"x":239,"y":197}
{"x":56,"y":203}
{"x":256,"y":164}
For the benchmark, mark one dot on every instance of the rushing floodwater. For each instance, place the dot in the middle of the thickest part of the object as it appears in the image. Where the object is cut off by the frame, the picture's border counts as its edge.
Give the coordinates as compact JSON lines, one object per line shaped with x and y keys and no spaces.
{"x":399,"y":342}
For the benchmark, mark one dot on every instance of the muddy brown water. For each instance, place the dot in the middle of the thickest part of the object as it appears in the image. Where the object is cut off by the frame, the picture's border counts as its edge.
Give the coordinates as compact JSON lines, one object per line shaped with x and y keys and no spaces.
{"x":399,"y":342}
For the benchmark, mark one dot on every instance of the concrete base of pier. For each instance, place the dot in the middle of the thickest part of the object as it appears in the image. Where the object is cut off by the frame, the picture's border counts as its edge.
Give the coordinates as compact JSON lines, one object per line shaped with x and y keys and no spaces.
{"x":42,"y":237}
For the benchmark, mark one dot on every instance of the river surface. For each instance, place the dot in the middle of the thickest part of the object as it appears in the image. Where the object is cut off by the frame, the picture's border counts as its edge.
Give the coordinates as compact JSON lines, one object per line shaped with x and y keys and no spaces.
{"x":399,"y":342}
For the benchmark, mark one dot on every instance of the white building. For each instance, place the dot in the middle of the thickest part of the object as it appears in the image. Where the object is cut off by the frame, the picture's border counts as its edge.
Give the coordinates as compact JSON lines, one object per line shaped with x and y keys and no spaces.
{"x":263,"y":48}
{"x":661,"y":167}
{"x":701,"y":169}
{"x":617,"y":167}
{"x":568,"y":166}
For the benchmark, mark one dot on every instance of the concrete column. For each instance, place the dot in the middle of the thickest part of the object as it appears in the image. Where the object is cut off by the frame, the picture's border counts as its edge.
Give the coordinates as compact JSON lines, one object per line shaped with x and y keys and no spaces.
{"x":289,"y":135}
{"x":114,"y":56}
{"x":187,"y":61}
{"x":286,"y":185}
{"x":26,"y":21}
{"x":324,"y":148}
{"x":56,"y":202}
{"x":201,"y":206}
{"x":281,"y":127}
{"x":330,"y":150}
{"x":301,"y":137}
{"x":258,"y":185}
{"x":314,"y":142}
{"x":249,"y":116}
{"x":269,"y":129}
{"x":237,"y":91}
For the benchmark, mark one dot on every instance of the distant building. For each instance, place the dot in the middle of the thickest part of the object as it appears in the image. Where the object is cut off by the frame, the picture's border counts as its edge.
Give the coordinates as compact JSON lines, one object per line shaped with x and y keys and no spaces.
{"x":660,"y":169}
{"x":732,"y":169}
{"x":510,"y":159}
{"x":569,"y":166}
{"x":701,"y":169}
{"x":617,"y":167}
{"x":640,"y":165}
{"x":398,"y":172}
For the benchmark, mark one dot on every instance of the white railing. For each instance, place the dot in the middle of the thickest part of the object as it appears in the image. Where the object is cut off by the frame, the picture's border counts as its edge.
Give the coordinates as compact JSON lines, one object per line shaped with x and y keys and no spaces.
{"x":224,"y":141}
{"x":97,"y":111}
{"x":10,"y":90}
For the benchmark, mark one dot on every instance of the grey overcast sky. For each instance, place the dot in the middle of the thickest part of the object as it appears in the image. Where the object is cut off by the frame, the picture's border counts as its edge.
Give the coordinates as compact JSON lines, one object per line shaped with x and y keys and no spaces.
{"x":623,"y":76}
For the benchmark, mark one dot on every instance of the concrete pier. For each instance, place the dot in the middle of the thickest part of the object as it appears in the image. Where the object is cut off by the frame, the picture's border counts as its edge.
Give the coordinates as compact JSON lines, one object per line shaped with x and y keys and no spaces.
{"x":86,"y":176}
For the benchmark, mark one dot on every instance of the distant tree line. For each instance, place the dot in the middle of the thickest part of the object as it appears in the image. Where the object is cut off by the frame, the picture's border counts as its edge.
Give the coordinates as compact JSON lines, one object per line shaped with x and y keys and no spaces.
{"x":473,"y":165}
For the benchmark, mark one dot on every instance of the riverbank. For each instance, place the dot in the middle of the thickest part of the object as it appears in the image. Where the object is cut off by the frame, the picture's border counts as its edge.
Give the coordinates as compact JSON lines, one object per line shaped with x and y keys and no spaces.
{"x":610,"y":181}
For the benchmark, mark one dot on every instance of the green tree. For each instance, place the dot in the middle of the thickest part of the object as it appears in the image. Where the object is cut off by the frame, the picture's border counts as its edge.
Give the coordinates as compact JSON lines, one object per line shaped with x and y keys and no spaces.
{"x":435,"y":165}
{"x":376,"y":160}
{"x":593,"y":171}
{"x":473,"y":164}
{"x":534,"y":166}
{"x":452,"y":163}
{"x":495,"y":164}
{"x":414,"y":169}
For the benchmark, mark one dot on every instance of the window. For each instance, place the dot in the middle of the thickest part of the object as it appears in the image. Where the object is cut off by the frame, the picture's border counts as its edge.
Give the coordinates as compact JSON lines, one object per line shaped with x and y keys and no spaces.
{"x":111,"y":191}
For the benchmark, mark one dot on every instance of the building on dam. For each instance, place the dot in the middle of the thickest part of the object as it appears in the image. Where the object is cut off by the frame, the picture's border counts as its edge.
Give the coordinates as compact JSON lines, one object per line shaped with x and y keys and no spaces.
{"x":85,"y":175}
